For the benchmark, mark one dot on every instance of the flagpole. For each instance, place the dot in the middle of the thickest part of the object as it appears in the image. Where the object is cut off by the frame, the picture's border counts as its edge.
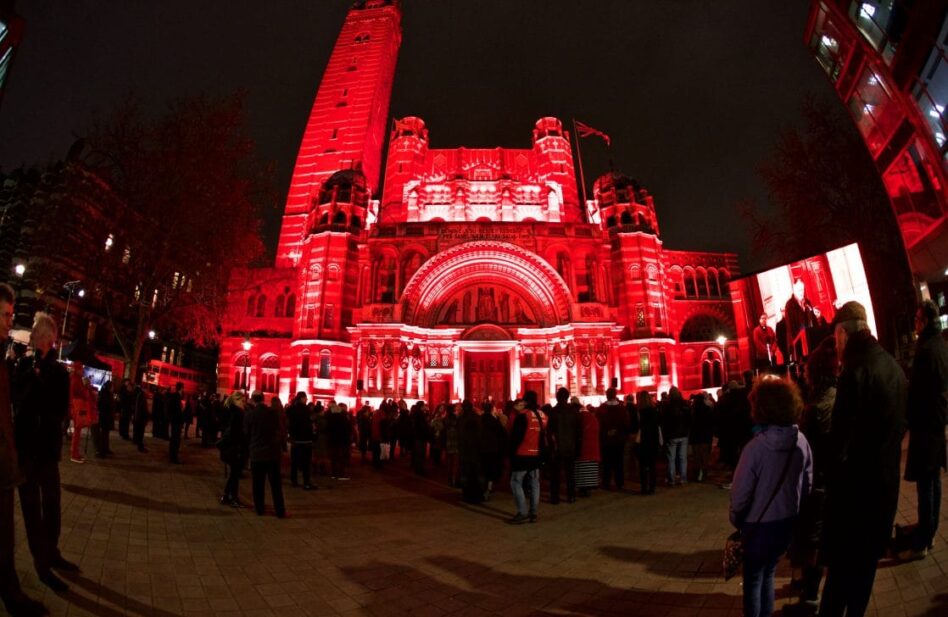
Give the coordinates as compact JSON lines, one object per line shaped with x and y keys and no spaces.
{"x":579,"y":156}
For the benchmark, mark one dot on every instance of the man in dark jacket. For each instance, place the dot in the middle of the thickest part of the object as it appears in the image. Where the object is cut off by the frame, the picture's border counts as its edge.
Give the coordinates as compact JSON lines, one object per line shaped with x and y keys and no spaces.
{"x":125,"y":408}
{"x":300,"y":428}
{"x":262,"y":432}
{"x":174,"y":414}
{"x":41,"y":401}
{"x":16,"y":602}
{"x":614,"y":430}
{"x":564,"y":439}
{"x":862,"y":485}
{"x":527,"y":439}
{"x":105,"y":405}
{"x":139,"y":403}
{"x":338,"y":440}
{"x":927,"y":406}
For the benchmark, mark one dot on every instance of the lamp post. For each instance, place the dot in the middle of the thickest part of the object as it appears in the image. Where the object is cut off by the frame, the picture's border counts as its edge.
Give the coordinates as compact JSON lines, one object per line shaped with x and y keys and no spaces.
{"x":73,"y":287}
{"x":247,"y":345}
{"x":722,"y":341}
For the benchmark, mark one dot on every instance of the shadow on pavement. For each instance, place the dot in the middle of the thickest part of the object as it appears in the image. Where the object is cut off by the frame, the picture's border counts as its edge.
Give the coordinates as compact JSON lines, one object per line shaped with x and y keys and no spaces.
{"x":398,"y":587}
{"x":142,"y":502}
{"x":123,"y":604}
{"x":432,"y":489}
{"x":704,"y":564}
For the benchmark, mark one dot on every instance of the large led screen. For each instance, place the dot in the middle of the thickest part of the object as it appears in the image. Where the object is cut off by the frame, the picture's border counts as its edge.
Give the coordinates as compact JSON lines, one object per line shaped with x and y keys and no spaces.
{"x":789,"y":310}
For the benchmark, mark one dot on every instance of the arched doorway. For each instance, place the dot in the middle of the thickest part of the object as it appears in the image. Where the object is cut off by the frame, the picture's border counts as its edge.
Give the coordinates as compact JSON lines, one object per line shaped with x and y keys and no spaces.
{"x":487,"y":349}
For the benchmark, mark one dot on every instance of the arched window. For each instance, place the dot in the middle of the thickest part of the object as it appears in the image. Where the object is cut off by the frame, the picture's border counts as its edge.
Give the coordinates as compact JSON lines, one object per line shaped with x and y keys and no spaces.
{"x":304,"y":365}
{"x":635,"y":271}
{"x":662,"y":361}
{"x":611,"y":221}
{"x":356,"y":221}
{"x":324,"y":219}
{"x":362,"y":38}
{"x":701,"y":281}
{"x":691,"y":287}
{"x":340,"y":218}
{"x":713,"y":287}
{"x":324,"y":364}
{"x":645,"y":364}
{"x":269,"y":373}
{"x":703,"y":327}
{"x":626,"y":217}
{"x":241,"y":371}
{"x":290,"y":307}
{"x":262,"y":305}
{"x":711,"y":375}
{"x":251,"y":305}
{"x":278,"y":306}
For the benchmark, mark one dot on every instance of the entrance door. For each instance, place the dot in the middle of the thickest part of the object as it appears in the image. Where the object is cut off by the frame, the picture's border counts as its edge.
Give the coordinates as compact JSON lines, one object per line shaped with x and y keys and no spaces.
{"x":538,"y":386}
{"x":486,"y":376}
{"x":438,"y":392}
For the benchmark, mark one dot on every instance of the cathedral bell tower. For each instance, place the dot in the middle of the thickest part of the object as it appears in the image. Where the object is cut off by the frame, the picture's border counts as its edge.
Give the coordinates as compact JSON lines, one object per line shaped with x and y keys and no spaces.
{"x":348,"y":120}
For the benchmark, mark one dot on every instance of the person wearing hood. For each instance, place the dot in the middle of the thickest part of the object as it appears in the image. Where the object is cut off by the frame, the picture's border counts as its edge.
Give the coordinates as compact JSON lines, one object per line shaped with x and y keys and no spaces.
{"x":614,"y":429}
{"x":927,"y":409}
{"x":773,"y":476}
{"x":676,"y":419}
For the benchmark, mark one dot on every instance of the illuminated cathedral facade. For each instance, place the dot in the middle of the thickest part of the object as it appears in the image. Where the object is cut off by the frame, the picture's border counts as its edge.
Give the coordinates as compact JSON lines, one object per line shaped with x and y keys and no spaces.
{"x":473,"y":273}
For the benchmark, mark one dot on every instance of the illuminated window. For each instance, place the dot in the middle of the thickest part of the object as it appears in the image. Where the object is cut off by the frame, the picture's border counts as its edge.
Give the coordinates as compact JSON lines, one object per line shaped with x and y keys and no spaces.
{"x":126,"y":255}
{"x":645,"y":364}
{"x":108,"y":242}
{"x":324,"y":364}
{"x":639,"y":316}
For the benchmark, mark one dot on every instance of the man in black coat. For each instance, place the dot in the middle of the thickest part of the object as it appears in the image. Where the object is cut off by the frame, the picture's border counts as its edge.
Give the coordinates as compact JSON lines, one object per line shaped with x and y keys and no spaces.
{"x":614,"y":429}
{"x":41,"y":403}
{"x":262,"y":432}
{"x":927,"y":406}
{"x":125,"y":408}
{"x":174,"y":414}
{"x":564,"y":439}
{"x":300,"y":428}
{"x":862,"y":482}
{"x":105,"y":405}
{"x":139,"y":405}
{"x":17,"y":603}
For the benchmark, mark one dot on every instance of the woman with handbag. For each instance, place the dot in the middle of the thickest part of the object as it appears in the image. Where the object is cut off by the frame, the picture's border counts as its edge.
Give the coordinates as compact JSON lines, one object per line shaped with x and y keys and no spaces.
{"x":774,"y":474}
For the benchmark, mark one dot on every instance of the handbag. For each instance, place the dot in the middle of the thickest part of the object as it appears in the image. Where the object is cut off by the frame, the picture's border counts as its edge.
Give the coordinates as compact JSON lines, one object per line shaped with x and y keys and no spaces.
{"x":734,"y":545}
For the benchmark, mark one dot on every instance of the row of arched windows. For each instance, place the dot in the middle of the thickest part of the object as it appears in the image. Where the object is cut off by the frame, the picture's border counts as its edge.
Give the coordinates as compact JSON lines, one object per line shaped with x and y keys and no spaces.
{"x":268,"y":375}
{"x":284,"y":306}
{"x":700,"y":282}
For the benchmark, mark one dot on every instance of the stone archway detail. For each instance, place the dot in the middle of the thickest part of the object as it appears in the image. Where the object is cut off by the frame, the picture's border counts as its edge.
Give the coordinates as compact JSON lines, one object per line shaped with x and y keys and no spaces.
{"x":456,"y":267}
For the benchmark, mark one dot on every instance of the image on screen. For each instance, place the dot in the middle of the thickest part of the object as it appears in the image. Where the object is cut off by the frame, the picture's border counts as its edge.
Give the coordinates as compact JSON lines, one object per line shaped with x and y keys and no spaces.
{"x":789,"y":310}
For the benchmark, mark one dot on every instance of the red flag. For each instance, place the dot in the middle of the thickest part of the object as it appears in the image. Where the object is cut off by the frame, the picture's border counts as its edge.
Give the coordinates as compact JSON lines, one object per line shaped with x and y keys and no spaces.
{"x":585,"y":130}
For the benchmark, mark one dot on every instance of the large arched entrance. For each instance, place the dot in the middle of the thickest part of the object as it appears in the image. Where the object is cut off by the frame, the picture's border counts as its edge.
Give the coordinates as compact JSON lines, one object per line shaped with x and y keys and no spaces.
{"x":487,"y":351}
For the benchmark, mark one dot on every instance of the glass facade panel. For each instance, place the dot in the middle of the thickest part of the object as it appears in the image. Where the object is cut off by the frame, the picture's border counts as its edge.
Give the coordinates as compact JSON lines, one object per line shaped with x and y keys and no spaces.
{"x":879,"y":23}
{"x":873,"y":110}
{"x":830,"y":45}
{"x":913,"y":187}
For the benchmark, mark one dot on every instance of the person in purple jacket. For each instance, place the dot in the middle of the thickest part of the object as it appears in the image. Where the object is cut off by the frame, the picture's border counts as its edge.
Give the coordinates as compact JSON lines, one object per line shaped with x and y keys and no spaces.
{"x":773,"y":476}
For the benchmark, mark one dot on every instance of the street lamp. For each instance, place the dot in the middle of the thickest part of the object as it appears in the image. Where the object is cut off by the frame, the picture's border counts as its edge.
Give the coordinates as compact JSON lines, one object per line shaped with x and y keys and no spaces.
{"x":73,"y":287}
{"x":20,"y":270}
{"x":246,"y":345}
{"x":722,"y":341}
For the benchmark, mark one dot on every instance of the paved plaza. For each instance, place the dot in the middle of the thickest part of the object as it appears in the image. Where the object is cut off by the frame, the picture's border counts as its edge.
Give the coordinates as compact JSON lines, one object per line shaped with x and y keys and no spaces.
{"x":152,"y":540}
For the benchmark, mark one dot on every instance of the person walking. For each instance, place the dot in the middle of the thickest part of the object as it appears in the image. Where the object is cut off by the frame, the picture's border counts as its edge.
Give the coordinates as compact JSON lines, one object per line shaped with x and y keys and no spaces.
{"x":175,"y":420}
{"x":139,"y":403}
{"x":675,"y":420}
{"x":17,"y":603}
{"x":300,"y":426}
{"x":862,"y":482}
{"x":82,"y":409}
{"x":614,"y":431}
{"x":564,"y":439}
{"x":106,"y":411}
{"x":262,"y":429}
{"x":927,"y":410}
{"x":41,"y":403}
{"x":493,"y":449}
{"x":233,"y":447}
{"x":527,"y":437}
{"x":650,"y":442}
{"x":773,"y":476}
{"x":701,"y":433}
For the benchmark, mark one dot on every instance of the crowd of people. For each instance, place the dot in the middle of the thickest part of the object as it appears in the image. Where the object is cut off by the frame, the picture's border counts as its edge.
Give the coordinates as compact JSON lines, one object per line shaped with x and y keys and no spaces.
{"x":812,"y":467}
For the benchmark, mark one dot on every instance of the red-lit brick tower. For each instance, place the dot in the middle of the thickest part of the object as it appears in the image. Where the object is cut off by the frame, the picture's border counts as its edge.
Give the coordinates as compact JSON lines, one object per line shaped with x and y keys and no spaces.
{"x":346,"y":127}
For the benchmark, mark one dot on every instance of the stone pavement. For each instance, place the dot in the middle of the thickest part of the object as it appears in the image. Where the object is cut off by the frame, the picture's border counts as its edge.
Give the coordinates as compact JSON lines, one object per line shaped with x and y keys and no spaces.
{"x":152,"y":541}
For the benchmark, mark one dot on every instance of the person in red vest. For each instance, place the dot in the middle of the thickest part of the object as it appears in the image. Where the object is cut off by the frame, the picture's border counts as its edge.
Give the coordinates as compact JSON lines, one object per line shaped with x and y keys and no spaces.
{"x":527,"y":438}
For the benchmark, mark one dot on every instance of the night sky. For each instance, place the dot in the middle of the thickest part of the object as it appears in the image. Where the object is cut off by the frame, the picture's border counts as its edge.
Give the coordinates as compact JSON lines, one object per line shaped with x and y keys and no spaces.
{"x":693,"y":93}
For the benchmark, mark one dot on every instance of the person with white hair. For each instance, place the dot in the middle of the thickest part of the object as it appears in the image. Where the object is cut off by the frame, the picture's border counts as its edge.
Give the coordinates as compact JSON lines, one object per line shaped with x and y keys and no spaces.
{"x":41,"y":402}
